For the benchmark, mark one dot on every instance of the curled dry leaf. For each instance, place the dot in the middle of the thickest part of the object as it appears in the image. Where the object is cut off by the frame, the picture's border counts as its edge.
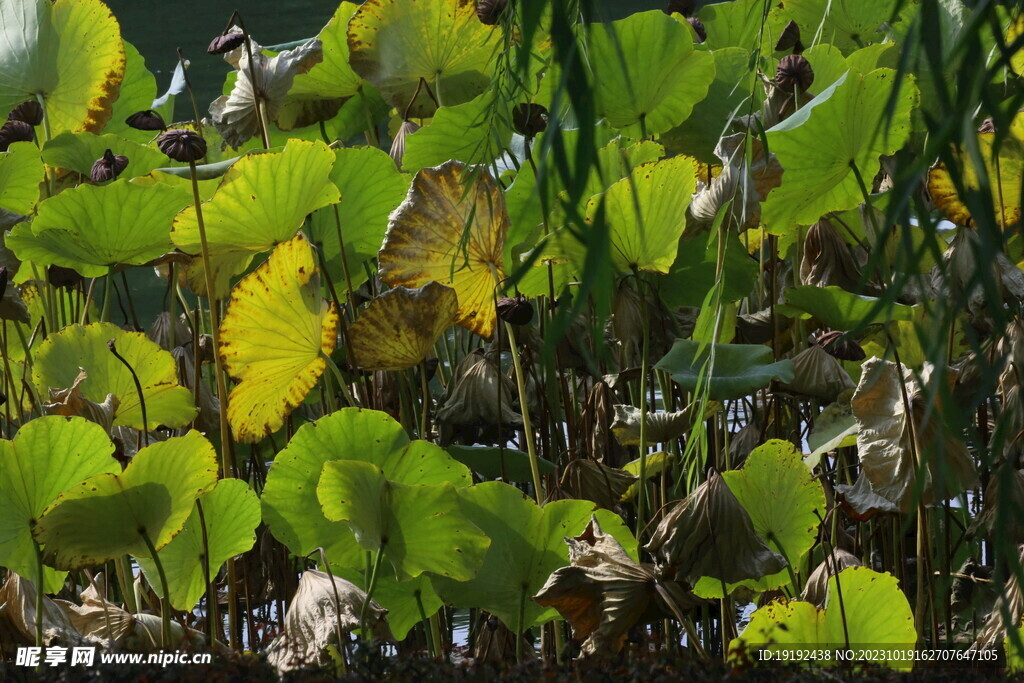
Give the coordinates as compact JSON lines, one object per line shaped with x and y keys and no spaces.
{"x":72,"y":402}
{"x":166,"y":336}
{"x":1010,"y":599}
{"x":816,"y":588}
{"x":589,"y":480}
{"x":495,"y":642}
{"x":208,"y":420}
{"x":827,"y":259}
{"x":398,"y":329}
{"x":18,"y":618}
{"x":479,"y":394}
{"x":710,"y":534}
{"x":604,"y":592}
{"x":884,"y":441}
{"x":661,"y":427}
{"x":236,"y":115}
{"x":398,"y":144}
{"x":959,"y":276}
{"x":1003,"y":510}
{"x":316,"y":613}
{"x":818,"y":374}
{"x":593,"y":427}
{"x":744,"y":184}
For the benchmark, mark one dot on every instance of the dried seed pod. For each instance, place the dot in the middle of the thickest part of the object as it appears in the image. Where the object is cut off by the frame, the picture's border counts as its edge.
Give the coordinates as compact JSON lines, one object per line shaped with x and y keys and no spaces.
{"x":515,"y":310}
{"x":684,"y":7}
{"x":29,"y":112}
{"x":827,"y":260}
{"x":14,"y":131}
{"x":225,"y":43}
{"x":398,"y":144}
{"x":794,"y":73}
{"x":147,"y":119}
{"x":59,"y":276}
{"x":489,"y":11}
{"x":529,"y":119}
{"x":837,"y":345}
{"x":108,"y":167}
{"x":182,"y":145}
{"x":790,"y":39}
{"x":987,"y":126}
{"x":4,"y":277}
{"x":698,"y":28}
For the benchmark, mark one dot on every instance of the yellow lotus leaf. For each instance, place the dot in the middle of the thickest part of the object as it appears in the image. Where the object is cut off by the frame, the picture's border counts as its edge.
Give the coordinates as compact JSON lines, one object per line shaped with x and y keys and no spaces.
{"x":452,"y":234}
{"x":263,"y":200}
{"x":1004,"y":167}
{"x":272,"y":337}
{"x":398,"y":328}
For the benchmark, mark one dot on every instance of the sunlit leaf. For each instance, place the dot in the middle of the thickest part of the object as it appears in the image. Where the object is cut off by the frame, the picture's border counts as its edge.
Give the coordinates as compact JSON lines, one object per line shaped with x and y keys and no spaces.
{"x":468,"y":132}
{"x":273,"y":338}
{"x":138,"y":91}
{"x":21,"y":171}
{"x":452,"y":234}
{"x":78,"y":151}
{"x":739,"y":369}
{"x":64,"y":354}
{"x":106,"y":515}
{"x":847,"y":24}
{"x":47,"y":456}
{"x":841,"y":310}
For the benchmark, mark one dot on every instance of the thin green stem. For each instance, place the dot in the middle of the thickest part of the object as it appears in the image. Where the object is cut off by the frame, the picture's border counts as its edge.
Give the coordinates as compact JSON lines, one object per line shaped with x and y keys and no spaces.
{"x":336,"y":371}
{"x":165,"y":599}
{"x":39,"y":592}
{"x":377,"y":561}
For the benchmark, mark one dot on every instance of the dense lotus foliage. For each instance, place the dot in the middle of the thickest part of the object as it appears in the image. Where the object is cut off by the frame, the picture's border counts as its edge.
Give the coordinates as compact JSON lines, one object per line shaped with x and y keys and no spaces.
{"x":486,"y":329}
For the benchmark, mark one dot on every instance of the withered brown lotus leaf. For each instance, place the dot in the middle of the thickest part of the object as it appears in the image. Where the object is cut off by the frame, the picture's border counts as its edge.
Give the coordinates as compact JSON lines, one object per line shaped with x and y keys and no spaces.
{"x":398,"y":144}
{"x":743,"y":184}
{"x":479,"y":394}
{"x":861,"y":503}
{"x":11,"y":306}
{"x":789,"y":39}
{"x":165,"y":335}
{"x":884,"y":441}
{"x":18,"y":618}
{"x":71,"y":402}
{"x":816,"y":587}
{"x":495,"y":642}
{"x":208,"y":420}
{"x":313,"y":618}
{"x":818,"y":375}
{"x":398,"y":329}
{"x":827,"y":260}
{"x":1003,"y":510}
{"x":963,"y":259}
{"x":602,"y":593}
{"x":710,"y":534}
{"x":837,"y":345}
{"x":662,"y":427}
{"x":593,"y":427}
{"x":590,"y":480}
{"x":1010,"y":600}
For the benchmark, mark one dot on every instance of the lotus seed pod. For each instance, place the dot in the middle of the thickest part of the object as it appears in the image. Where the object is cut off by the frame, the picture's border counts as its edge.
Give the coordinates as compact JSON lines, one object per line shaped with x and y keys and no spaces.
{"x":529,"y":119}
{"x":698,"y":28}
{"x":147,"y":119}
{"x":225,"y":43}
{"x":14,"y":131}
{"x":790,"y":39}
{"x":794,"y":73}
{"x":684,"y":7}
{"x":108,"y":167}
{"x":182,"y":145}
{"x":515,"y":310}
{"x":59,"y":276}
{"x":4,"y":276}
{"x":837,"y":345}
{"x":489,"y":11}
{"x":29,"y":111}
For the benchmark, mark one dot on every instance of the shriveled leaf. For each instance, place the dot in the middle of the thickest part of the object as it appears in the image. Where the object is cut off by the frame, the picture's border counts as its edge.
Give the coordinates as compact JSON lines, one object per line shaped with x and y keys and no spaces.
{"x":272,"y":339}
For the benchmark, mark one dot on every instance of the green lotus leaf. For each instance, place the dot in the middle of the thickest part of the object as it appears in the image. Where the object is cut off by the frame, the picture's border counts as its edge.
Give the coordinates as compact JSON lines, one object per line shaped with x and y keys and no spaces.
{"x":21,"y":171}
{"x":648,"y":77}
{"x":262,"y":201}
{"x":492,"y":462}
{"x":785,"y":503}
{"x":739,"y":24}
{"x":829,"y":63}
{"x":399,"y":598}
{"x":290,"y":505}
{"x":61,"y":356}
{"x":371,"y":188}
{"x":848,"y":24}
{"x":365,"y":105}
{"x":322,"y":89}
{"x":106,"y":515}
{"x":841,"y":310}
{"x":835,"y":427}
{"x":91,"y":228}
{"x":69,"y":54}
{"x":231,"y":512}
{"x":527,"y":544}
{"x":78,"y":151}
{"x":47,"y":456}
{"x":393,"y":44}
{"x":417,"y":528}
{"x":695,"y":270}
{"x":138,"y":91}
{"x":872,"y":612}
{"x":820,"y":178}
{"x":728,"y":97}
{"x":656,"y":464}
{"x":739,"y":369}
{"x":469,"y":132}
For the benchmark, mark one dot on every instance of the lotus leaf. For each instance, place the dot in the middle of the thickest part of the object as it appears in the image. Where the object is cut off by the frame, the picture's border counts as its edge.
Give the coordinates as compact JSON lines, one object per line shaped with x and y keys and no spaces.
{"x":453,"y":235}
{"x":394,"y":44}
{"x":846,"y":24}
{"x":1003,"y":168}
{"x":835,"y":427}
{"x":841,"y":310}
{"x":821,"y":178}
{"x":657,"y":463}
{"x":78,"y":151}
{"x":648,"y":77}
{"x":273,"y":339}
{"x":290,"y":505}
{"x":738,"y":23}
{"x":468,"y":132}
{"x":872,"y":611}
{"x":91,"y":228}
{"x":507,"y":464}
{"x":398,"y":329}
{"x":527,"y":544}
{"x":738,"y":369}
{"x":47,"y":456}
{"x":21,"y":171}
{"x":402,"y":599}
{"x":231,"y":513}
{"x":67,"y":54}
{"x":63,"y":355}
{"x":262,"y":201}
{"x":108,"y":515}
{"x":693,"y":273}
{"x":137,"y":93}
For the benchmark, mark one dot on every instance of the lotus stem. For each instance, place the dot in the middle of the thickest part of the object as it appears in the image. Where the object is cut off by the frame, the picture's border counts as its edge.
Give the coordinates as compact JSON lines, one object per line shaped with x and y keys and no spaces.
{"x":39,"y":592}
{"x":425,"y":415}
{"x":641,"y":497}
{"x":377,"y":561}
{"x":427,"y":631}
{"x":336,"y":371}
{"x":520,"y":619}
{"x":339,"y":630}
{"x":138,"y":389}
{"x":191,"y":93}
{"x":260,"y":112}
{"x":212,"y":612}
{"x":165,"y":599}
